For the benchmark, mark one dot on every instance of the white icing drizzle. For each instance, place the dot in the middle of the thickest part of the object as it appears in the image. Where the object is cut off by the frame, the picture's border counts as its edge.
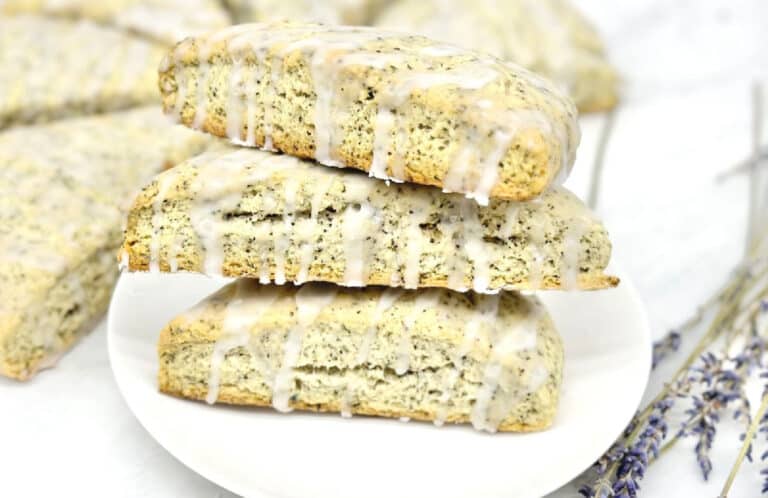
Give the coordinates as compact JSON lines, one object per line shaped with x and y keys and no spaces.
{"x":387,"y":299}
{"x":308,"y":249}
{"x":383,"y":124}
{"x":218,"y":187}
{"x":474,"y":246}
{"x":491,"y":405}
{"x":489,"y":167}
{"x":283,"y":241}
{"x":484,"y":314}
{"x":456,"y":267}
{"x":409,"y":258}
{"x":173,"y":252}
{"x":569,"y":271}
{"x":243,"y":311}
{"x":357,"y":225}
{"x":423,"y":302}
{"x":235,"y":101}
{"x":164,"y":182}
{"x":311,"y":299}
{"x":251,"y":108}
{"x":125,"y":261}
{"x":511,"y":220}
{"x":354,"y":235}
{"x":346,"y":402}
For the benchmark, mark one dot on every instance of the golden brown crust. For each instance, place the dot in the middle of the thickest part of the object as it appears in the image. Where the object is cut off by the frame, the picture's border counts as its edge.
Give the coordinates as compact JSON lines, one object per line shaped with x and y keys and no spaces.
{"x":234,"y":396}
{"x":139,"y":261}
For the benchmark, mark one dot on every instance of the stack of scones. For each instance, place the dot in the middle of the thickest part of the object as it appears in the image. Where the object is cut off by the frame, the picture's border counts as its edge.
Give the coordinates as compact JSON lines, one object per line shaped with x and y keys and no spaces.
{"x":385,"y":200}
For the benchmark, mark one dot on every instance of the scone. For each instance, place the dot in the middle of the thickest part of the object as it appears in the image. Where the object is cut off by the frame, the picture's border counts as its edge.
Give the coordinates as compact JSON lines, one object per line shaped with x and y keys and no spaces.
{"x":166,"y":21}
{"x":64,"y":190}
{"x":400,"y":107}
{"x":495,"y":361}
{"x":249,"y":213}
{"x":549,"y":37}
{"x":322,"y":11}
{"x":56,"y":68}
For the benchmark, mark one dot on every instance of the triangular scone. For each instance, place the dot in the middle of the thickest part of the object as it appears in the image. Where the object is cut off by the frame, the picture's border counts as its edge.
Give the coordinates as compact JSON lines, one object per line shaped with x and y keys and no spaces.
{"x":400,"y":107}
{"x":57,"y":68}
{"x":166,"y":21}
{"x":549,"y":37}
{"x":64,"y":190}
{"x":495,"y":361}
{"x":321,"y":11}
{"x":250,"y":213}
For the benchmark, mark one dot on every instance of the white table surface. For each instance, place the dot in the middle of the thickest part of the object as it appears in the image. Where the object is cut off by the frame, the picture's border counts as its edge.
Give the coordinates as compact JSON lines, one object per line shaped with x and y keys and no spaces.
{"x":688,"y":66}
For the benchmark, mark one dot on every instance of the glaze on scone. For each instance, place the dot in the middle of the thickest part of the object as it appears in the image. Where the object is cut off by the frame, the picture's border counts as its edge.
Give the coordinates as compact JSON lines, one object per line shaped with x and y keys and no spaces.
{"x":64,"y":190}
{"x":549,"y":37}
{"x":322,"y":11}
{"x":495,"y":361}
{"x":56,"y":68}
{"x":166,"y":21}
{"x":248,"y":213}
{"x":400,"y":107}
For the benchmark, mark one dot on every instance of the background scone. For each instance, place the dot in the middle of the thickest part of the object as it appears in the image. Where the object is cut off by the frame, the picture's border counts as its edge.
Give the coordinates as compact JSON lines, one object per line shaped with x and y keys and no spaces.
{"x":549,"y":37}
{"x":245,"y":212}
{"x":166,"y":21}
{"x":322,"y":11}
{"x":401,"y":107}
{"x":56,"y":68}
{"x":495,"y":361}
{"x":64,"y":190}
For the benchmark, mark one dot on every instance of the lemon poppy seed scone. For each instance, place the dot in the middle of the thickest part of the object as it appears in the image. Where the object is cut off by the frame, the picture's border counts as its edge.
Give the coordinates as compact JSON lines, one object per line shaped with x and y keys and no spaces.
{"x":249,"y":213}
{"x":57,"y":68}
{"x":549,"y":37}
{"x":437,"y":355}
{"x":166,"y":21}
{"x":321,"y":11}
{"x":64,"y":190}
{"x":400,"y":107}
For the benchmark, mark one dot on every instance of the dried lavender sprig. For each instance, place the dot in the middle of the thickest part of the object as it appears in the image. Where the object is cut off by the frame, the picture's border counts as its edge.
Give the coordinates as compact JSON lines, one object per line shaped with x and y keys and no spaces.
{"x":725,"y":315}
{"x":724,"y":388}
{"x":745,"y":448}
{"x":631,"y":461}
{"x":665,"y":346}
{"x":730,"y":382}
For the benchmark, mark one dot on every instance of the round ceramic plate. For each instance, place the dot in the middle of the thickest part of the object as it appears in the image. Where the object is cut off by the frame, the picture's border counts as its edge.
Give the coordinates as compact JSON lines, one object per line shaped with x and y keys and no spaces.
{"x":259,"y":453}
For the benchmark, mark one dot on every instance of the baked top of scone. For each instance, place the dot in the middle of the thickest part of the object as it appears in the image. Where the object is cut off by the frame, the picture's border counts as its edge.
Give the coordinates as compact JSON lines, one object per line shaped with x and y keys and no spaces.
{"x":401,"y":107}
{"x":56,"y":68}
{"x":322,"y":11}
{"x":243,"y":212}
{"x":166,"y":21}
{"x":433,"y":354}
{"x":549,"y":37}
{"x":64,"y":190}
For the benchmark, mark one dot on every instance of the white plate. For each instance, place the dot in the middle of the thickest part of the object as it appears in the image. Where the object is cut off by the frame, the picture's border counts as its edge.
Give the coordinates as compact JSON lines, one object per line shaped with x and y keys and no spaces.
{"x":260,"y":453}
